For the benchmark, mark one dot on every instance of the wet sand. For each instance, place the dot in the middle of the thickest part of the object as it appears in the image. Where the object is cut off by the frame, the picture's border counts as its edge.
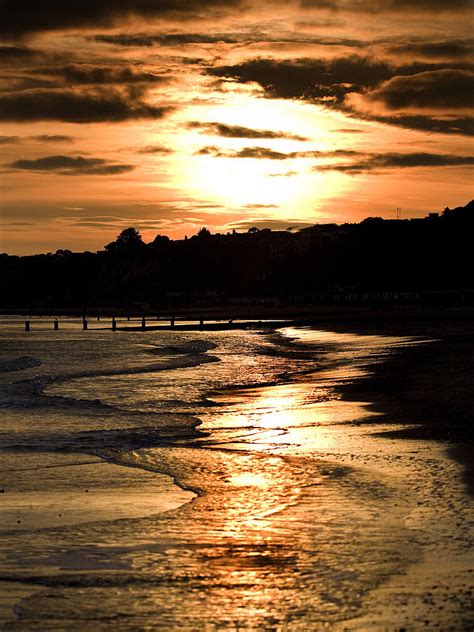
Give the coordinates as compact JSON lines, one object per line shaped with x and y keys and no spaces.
{"x":319,"y":536}
{"x":426,"y":395}
{"x":430,"y":388}
{"x":56,"y":490}
{"x":408,"y":422}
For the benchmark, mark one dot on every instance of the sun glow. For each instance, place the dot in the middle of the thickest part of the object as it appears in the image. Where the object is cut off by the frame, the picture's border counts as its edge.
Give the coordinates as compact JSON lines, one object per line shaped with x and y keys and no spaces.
{"x":218,"y":168}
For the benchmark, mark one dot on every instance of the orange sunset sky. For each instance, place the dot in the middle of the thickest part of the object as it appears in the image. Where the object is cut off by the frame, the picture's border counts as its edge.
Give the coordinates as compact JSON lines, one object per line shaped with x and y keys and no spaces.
{"x":173,"y":115}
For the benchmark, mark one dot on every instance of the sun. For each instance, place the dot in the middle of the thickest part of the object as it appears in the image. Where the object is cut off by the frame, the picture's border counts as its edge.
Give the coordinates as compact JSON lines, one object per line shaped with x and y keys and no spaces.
{"x":238,"y":182}
{"x":222,"y":177}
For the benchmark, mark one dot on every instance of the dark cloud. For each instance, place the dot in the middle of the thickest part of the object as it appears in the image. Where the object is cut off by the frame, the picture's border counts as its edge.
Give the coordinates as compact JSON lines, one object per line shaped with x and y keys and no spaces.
{"x":445,"y":125}
{"x":20,"y":17}
{"x":77,"y":74}
{"x":42,"y":138}
{"x":210,"y":150}
{"x":350,"y":130}
{"x":24,"y":56}
{"x":20,"y":224}
{"x":167,"y":39}
{"x":270,"y":154}
{"x":54,"y":76}
{"x":308,"y":78}
{"x":397,"y":6}
{"x":237,"y":131}
{"x":261,"y":206}
{"x":70,"y":106}
{"x":415,"y":5}
{"x":446,"y":89}
{"x":434,"y":50}
{"x":109,"y":12}
{"x":378,"y":162}
{"x":19,"y":80}
{"x":417,"y":86}
{"x":126,"y":40}
{"x":9,"y":53}
{"x":244,"y":37}
{"x":247,"y":152}
{"x":260,"y":152}
{"x":155,"y":149}
{"x":71,"y":166}
{"x":10,"y":140}
{"x":52,"y":138}
{"x":356,"y":161}
{"x":326,"y":80}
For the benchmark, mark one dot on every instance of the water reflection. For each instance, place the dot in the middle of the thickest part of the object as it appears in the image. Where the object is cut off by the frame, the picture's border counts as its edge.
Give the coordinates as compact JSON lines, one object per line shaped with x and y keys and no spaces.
{"x":293,"y":415}
{"x":249,"y":480}
{"x":280,"y":537}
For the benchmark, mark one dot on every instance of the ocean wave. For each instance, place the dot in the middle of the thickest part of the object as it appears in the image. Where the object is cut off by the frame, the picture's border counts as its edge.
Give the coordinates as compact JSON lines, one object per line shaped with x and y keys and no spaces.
{"x":111,"y":444}
{"x":188,"y":348}
{"x":168,"y":365}
{"x":31,"y":392}
{"x":19,"y":364}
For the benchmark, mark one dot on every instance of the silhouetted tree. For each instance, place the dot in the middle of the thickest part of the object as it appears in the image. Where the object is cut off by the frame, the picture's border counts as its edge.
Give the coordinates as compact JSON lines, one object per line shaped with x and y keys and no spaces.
{"x":376,"y":255}
{"x":129,"y":241}
{"x":160,"y":241}
{"x":204,"y":233}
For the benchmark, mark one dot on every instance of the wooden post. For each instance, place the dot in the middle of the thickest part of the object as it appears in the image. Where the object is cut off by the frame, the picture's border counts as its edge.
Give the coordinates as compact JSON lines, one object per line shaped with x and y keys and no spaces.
{"x":84,"y":323}
{"x":27,"y":325}
{"x":56,"y":324}
{"x":143,"y":323}
{"x":114,"y":324}
{"x":201,"y":323}
{"x":172,"y":321}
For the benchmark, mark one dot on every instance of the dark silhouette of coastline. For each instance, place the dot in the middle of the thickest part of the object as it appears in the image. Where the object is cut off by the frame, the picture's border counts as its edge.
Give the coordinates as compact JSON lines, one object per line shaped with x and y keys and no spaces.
{"x":405,"y":261}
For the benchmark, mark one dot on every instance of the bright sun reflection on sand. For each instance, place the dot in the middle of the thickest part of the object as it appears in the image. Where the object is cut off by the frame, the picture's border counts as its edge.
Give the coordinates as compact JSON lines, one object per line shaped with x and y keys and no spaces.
{"x":286,"y":415}
{"x":247,"y":479}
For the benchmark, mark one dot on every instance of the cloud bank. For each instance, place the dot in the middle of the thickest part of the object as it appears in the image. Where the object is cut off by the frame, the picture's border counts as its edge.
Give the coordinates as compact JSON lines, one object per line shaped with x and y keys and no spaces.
{"x":71,"y":166}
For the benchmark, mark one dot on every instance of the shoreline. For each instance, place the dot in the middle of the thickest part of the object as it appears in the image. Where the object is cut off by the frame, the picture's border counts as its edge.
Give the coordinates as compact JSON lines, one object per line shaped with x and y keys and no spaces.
{"x":395,"y":320}
{"x":427,"y":392}
{"x":445,"y":366}
{"x":432,"y":589}
{"x":312,"y":313}
{"x":383,"y":461}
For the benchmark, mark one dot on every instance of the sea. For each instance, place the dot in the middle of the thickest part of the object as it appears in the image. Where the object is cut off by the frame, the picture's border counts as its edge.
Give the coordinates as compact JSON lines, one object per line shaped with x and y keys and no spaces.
{"x":218,"y":480}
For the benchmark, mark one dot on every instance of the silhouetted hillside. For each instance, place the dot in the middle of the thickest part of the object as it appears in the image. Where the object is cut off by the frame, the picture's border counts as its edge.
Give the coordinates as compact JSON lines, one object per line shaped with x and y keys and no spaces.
{"x":326,"y":261}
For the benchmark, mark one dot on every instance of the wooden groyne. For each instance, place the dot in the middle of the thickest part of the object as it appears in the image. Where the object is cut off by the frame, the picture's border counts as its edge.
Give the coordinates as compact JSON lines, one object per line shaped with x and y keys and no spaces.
{"x":170,"y":323}
{"x":230,"y":319}
{"x":210,"y":326}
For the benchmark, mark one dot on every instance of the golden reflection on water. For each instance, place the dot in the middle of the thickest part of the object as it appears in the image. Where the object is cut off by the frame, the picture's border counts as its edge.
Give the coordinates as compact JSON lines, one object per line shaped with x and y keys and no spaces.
{"x":283,"y":415}
{"x":280,"y":537}
{"x":246,"y":479}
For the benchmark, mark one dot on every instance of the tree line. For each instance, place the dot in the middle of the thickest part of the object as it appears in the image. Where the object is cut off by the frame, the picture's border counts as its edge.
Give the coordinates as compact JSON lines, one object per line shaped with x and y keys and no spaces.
{"x":375,"y":255}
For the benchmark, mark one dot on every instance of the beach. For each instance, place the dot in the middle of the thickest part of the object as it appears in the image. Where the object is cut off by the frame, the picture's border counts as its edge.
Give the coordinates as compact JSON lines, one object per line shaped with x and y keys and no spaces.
{"x":303,"y":478}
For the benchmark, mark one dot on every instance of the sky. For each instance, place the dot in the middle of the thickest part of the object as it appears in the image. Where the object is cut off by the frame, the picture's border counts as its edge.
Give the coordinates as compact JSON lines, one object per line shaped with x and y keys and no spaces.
{"x":172,"y":115}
